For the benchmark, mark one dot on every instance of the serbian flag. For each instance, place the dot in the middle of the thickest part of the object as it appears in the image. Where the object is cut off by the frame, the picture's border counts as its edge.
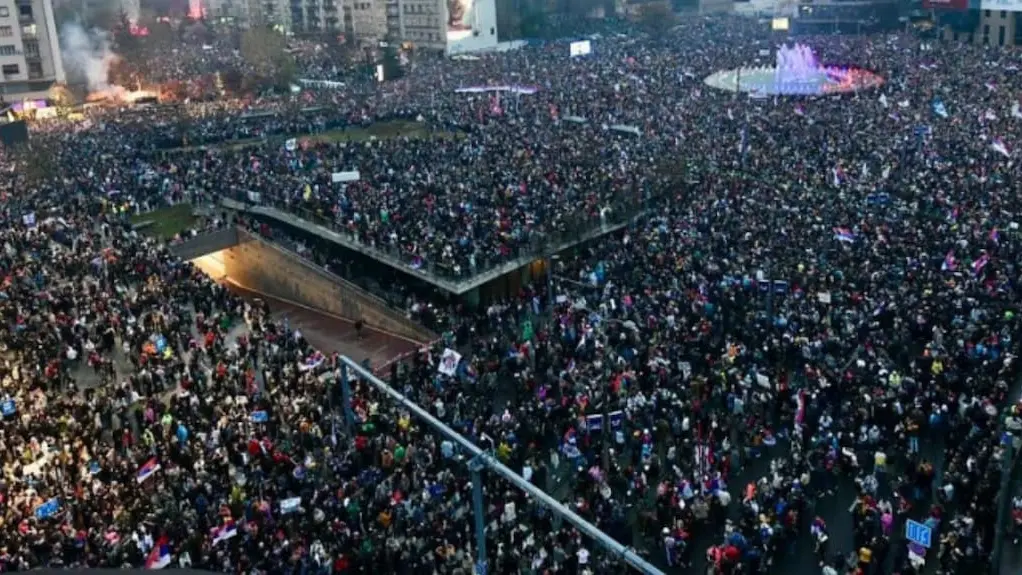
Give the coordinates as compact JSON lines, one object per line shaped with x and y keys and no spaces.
{"x":224,"y":532}
{"x":159,"y":557}
{"x":979,"y":264}
{"x":844,"y":235}
{"x":147,"y":470}
{"x":312,"y":362}
{"x":949,"y":264}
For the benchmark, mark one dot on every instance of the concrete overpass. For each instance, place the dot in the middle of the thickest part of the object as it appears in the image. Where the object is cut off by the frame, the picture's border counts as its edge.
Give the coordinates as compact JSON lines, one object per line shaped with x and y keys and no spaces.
{"x":264,"y":268}
{"x":459,"y":285}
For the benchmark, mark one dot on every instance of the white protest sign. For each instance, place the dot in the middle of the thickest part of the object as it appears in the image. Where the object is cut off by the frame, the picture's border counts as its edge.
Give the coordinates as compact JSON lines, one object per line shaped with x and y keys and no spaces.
{"x":449,"y":362}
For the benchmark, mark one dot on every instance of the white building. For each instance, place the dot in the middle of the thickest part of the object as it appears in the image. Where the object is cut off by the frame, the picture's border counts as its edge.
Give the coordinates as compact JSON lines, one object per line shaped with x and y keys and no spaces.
{"x":29,"y":51}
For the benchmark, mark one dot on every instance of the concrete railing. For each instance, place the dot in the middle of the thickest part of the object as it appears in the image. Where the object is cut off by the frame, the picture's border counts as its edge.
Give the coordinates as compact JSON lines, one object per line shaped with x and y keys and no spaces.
{"x":206,"y":243}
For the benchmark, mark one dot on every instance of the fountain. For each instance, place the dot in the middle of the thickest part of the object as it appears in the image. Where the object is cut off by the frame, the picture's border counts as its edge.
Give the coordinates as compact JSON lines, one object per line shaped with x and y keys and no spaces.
{"x":796,"y":64}
{"x":796,"y":72}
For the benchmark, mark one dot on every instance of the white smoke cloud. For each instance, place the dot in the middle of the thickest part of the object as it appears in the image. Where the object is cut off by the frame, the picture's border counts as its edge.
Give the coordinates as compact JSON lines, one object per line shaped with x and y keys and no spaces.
{"x":87,"y":55}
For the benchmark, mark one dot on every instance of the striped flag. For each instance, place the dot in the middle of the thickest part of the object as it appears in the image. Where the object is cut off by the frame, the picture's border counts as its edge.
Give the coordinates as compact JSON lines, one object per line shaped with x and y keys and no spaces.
{"x":147,"y":470}
{"x":224,"y":532}
{"x":979,"y":264}
{"x":159,"y":557}
{"x":844,"y":235}
{"x":949,"y":264}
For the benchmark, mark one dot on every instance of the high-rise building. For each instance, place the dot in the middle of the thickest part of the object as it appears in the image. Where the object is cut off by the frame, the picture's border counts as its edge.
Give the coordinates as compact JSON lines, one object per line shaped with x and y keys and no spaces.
{"x":369,"y":20}
{"x":316,"y":16}
{"x":29,"y":51}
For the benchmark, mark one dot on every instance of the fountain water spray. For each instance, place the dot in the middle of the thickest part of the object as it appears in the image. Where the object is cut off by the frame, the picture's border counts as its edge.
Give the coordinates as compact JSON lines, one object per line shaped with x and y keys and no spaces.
{"x":796,"y":64}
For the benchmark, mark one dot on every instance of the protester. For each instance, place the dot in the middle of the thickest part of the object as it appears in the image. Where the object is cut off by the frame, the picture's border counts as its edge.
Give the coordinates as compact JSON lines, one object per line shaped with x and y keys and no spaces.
{"x":815,"y":301}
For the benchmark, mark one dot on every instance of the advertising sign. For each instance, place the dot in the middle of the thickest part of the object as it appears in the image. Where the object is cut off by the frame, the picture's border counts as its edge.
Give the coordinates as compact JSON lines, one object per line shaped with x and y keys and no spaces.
{"x":580,"y":48}
{"x":471,"y":25}
{"x":948,"y":4}
{"x":1006,"y":5}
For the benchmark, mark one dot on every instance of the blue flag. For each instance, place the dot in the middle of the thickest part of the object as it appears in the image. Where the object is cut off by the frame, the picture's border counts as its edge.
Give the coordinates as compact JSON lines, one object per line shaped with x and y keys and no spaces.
{"x":48,"y":509}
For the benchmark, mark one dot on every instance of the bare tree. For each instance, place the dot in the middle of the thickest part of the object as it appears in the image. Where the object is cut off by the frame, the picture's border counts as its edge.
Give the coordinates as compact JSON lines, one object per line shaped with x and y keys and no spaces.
{"x":657,"y":17}
{"x":264,"y":50}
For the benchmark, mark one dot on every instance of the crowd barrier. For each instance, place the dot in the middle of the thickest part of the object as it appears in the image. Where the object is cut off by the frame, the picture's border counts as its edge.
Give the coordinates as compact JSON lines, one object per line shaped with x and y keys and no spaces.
{"x":325,"y":84}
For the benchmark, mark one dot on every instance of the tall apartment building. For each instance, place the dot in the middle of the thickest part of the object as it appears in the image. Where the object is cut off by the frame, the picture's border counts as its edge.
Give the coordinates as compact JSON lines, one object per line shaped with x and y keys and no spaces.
{"x":369,"y":20}
{"x":29,"y":51}
{"x":316,"y":16}
{"x":421,"y":22}
{"x":288,"y":16}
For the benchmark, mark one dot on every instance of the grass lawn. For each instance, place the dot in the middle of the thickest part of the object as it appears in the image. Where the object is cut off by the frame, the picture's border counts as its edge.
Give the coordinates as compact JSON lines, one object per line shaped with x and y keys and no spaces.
{"x":165,"y":222}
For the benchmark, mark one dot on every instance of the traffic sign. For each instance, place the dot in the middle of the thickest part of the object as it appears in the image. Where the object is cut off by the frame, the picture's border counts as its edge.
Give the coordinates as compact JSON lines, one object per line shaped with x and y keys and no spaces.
{"x":918,"y":533}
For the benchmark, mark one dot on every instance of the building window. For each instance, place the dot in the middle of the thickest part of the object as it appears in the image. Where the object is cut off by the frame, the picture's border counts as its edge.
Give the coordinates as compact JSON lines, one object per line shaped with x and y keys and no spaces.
{"x":8,"y":50}
{"x":1000,"y":35}
{"x":28,"y":30}
{"x":25,"y":11}
{"x":1004,"y":14}
{"x":6,"y":31}
{"x":35,"y":70}
{"x":986,"y":30}
{"x":986,"y":13}
{"x":10,"y":69}
{"x":4,"y":11}
{"x":31,"y":47}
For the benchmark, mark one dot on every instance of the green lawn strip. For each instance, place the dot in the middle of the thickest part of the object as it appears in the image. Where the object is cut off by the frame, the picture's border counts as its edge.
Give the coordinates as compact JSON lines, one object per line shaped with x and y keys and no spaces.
{"x":166,"y":222}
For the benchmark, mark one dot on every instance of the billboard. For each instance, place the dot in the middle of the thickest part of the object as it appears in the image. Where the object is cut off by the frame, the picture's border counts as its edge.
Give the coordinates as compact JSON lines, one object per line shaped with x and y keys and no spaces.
{"x":948,"y":4}
{"x":580,"y":48}
{"x":471,"y":25}
{"x":1006,"y":5}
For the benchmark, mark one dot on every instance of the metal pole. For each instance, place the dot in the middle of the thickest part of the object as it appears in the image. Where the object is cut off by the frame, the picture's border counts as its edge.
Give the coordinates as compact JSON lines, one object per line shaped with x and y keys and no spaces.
{"x":599,"y":537}
{"x":1003,"y":505}
{"x":605,"y":424}
{"x":476,"y":467}
{"x":349,"y":415}
{"x":552,"y":303}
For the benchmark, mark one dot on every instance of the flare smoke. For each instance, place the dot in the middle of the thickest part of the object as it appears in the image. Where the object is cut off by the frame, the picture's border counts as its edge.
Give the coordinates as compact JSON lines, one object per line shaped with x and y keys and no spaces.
{"x":87,"y":55}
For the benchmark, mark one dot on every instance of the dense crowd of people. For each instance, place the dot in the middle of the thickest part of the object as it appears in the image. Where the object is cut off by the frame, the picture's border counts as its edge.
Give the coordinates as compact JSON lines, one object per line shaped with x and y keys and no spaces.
{"x":818,"y":296}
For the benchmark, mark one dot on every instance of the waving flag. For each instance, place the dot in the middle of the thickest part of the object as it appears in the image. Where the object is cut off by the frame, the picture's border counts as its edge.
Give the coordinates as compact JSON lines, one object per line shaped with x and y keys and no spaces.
{"x":999,"y":146}
{"x":147,"y":470}
{"x":844,"y":235}
{"x":312,"y":362}
{"x":495,"y":108}
{"x":159,"y":557}
{"x":979,"y":264}
{"x":224,"y":532}
{"x":995,"y":236}
{"x":837,"y":175}
{"x":949,"y":264}
{"x":939,"y":108}
{"x":1016,"y":110}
